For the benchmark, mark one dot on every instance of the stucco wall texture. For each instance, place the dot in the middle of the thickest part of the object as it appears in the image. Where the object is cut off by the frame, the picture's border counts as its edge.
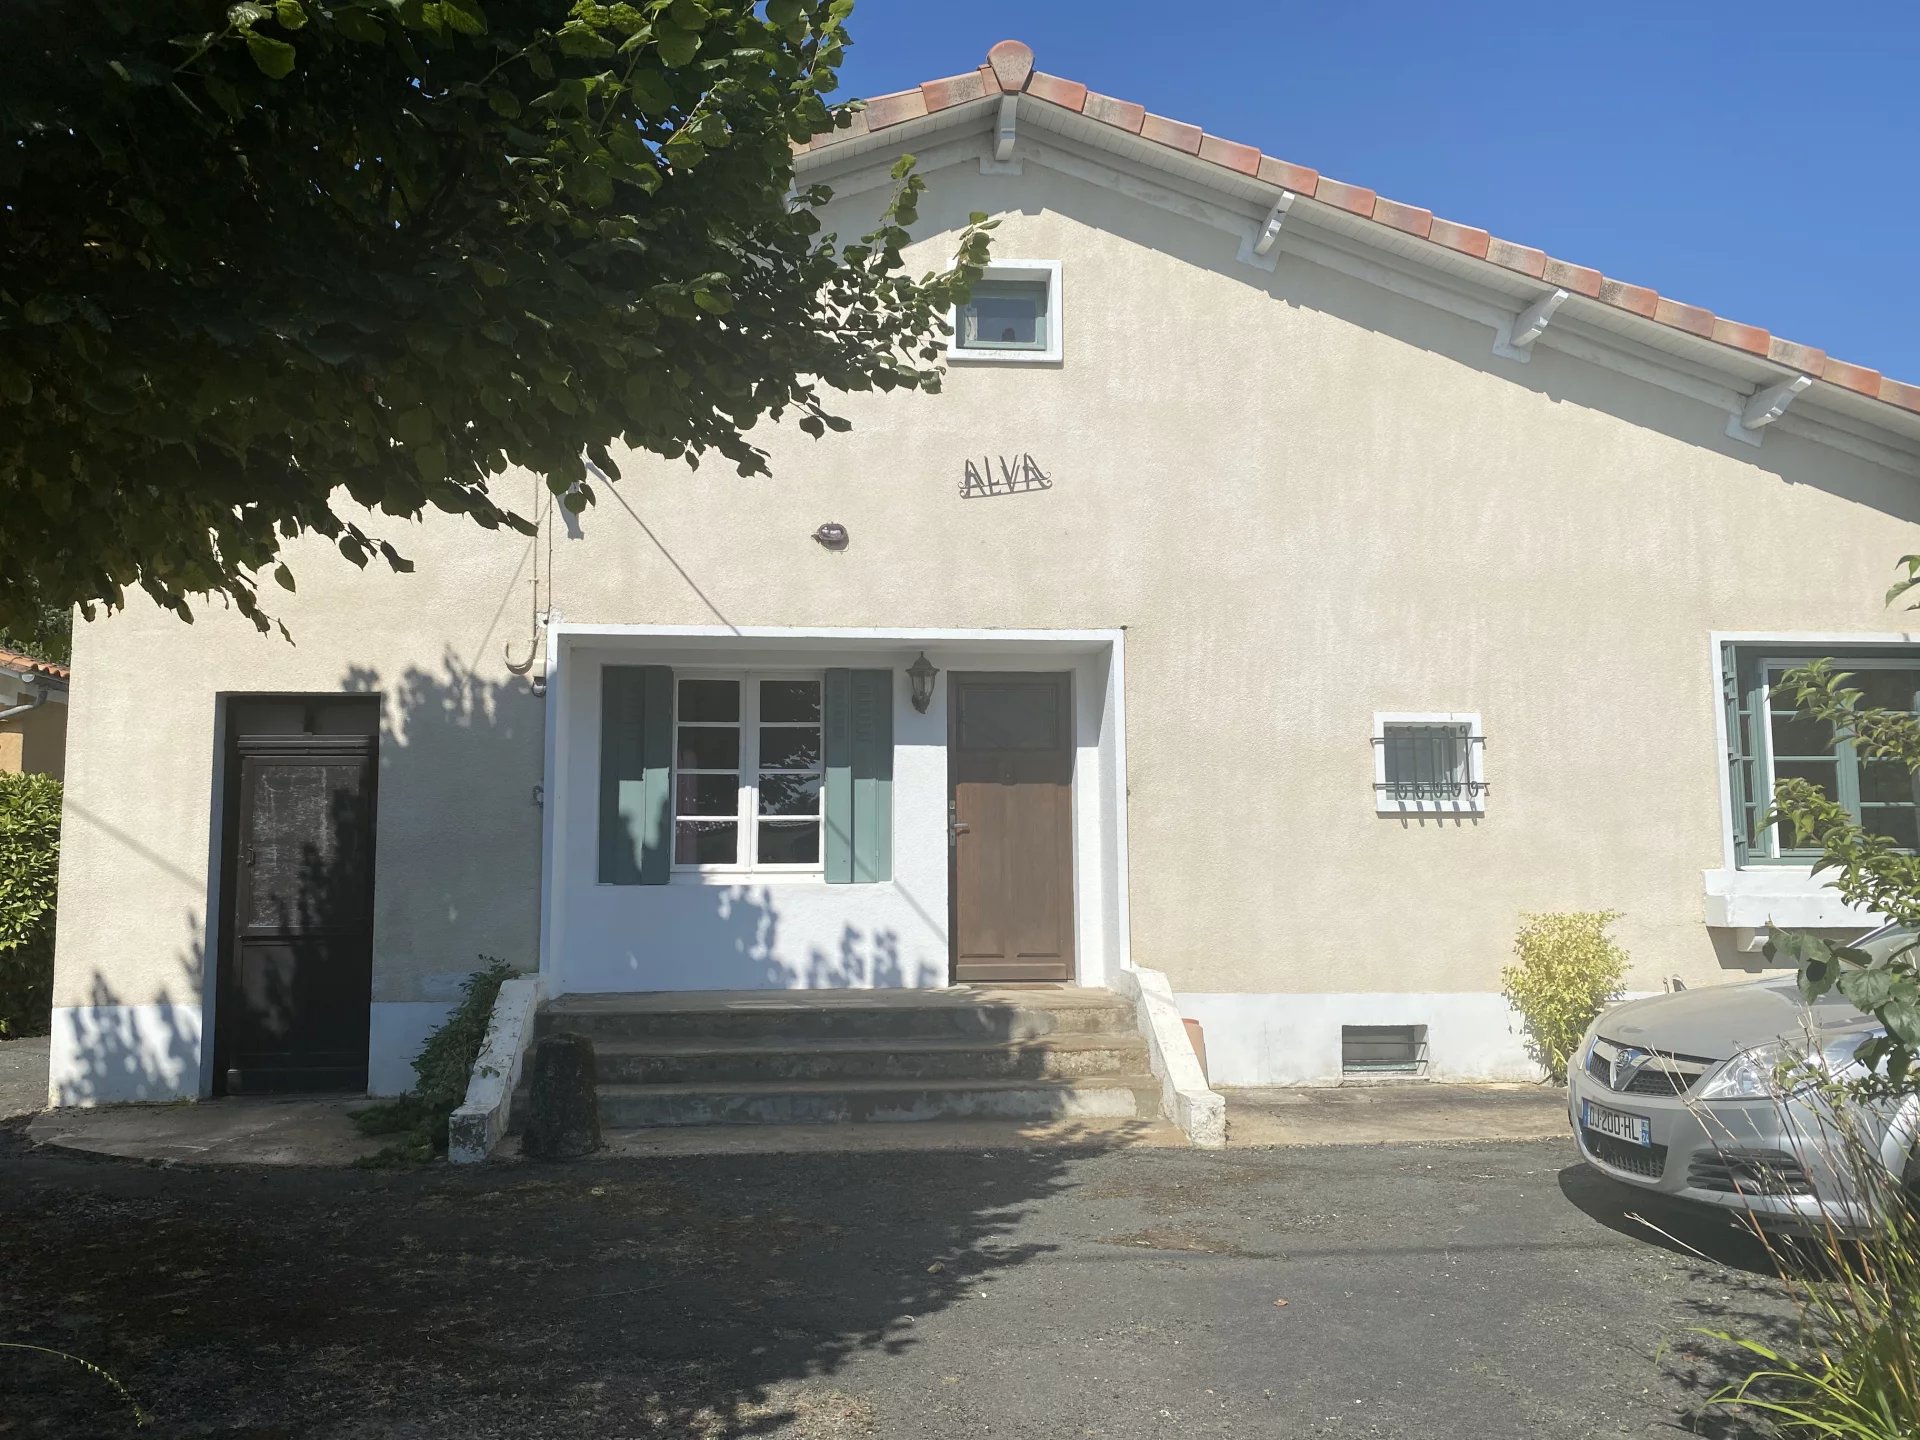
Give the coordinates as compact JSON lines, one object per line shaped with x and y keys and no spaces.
{"x":1306,"y":499}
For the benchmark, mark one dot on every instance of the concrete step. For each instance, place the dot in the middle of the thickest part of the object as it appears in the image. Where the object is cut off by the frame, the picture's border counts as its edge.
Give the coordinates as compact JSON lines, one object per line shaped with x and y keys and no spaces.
{"x":959,"y":1012}
{"x":705,"y":1061}
{"x":880,"y":1101}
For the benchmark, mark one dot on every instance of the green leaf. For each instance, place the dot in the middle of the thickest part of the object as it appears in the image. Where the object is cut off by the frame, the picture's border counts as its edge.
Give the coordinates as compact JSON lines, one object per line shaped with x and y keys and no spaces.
{"x":289,"y":14}
{"x":465,"y":16}
{"x":47,"y":309}
{"x":676,"y":45}
{"x":273,"y":57}
{"x":359,"y":26}
{"x":504,"y":103}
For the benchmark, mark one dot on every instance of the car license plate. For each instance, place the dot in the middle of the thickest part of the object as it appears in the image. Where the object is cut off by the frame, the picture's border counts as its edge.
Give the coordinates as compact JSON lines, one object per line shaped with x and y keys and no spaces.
{"x":1634,"y":1129}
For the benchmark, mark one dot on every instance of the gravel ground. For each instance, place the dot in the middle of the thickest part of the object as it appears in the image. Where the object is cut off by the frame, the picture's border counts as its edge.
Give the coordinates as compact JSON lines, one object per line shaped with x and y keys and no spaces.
{"x":1478,"y":1290}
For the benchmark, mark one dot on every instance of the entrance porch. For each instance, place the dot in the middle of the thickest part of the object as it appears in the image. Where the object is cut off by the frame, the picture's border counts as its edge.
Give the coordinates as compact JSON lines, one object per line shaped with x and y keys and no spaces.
{"x":775,"y":810}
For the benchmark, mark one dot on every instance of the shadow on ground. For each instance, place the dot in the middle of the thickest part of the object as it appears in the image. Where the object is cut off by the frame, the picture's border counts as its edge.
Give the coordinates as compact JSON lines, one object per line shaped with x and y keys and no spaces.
{"x":621,"y":1299}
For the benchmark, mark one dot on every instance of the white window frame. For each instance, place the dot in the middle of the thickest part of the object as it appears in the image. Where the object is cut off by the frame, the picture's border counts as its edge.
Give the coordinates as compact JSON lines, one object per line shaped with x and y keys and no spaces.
{"x":1473,"y":802}
{"x":1016,"y":270}
{"x":746,"y":813}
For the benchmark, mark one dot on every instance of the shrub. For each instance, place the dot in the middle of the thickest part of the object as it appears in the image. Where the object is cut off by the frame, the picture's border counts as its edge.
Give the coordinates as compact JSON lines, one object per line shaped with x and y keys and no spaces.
{"x":1569,"y":969}
{"x":29,"y":878}
{"x":443,"y":1067}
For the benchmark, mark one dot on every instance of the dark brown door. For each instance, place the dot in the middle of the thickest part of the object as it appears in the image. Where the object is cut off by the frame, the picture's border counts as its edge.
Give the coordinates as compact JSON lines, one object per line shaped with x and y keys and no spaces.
{"x":297,"y":973}
{"x":1010,"y":766}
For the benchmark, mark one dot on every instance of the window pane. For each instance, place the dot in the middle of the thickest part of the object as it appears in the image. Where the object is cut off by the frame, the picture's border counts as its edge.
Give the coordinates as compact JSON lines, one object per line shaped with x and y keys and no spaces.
{"x":784,"y":747}
{"x":1886,"y":689}
{"x":1886,"y":780}
{"x":709,"y":747}
{"x":789,"y":794}
{"x":786,"y":843}
{"x":1821,"y":774}
{"x":706,"y":842}
{"x":790,"y":700}
{"x":709,"y":699}
{"x":706,"y":795}
{"x":1006,"y":315}
{"x":1426,"y":762}
{"x":1897,"y":822}
{"x":1798,"y":735}
{"x":1009,"y":717}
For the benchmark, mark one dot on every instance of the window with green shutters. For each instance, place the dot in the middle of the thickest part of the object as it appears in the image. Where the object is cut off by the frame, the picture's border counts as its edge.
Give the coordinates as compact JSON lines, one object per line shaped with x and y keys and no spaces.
{"x":1769,"y":741}
{"x":727,"y":773}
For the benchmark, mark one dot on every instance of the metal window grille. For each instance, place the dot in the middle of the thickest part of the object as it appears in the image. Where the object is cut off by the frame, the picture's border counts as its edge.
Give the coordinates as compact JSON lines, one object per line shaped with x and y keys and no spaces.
{"x":1430,"y":763}
{"x":1383,"y":1049}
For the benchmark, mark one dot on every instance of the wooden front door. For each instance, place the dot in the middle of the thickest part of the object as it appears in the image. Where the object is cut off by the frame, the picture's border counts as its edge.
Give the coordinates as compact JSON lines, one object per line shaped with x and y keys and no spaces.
{"x":297,"y":965}
{"x":1010,"y":769}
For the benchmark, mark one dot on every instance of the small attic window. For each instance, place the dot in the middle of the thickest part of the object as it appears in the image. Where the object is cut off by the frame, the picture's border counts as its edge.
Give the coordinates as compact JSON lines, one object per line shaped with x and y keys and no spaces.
{"x":1012,"y":314}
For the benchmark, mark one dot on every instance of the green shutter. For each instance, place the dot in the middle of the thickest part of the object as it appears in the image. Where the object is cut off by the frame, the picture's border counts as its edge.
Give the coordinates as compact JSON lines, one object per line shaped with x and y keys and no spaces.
{"x":1740,"y":758}
{"x":872,"y":775}
{"x":636,"y":774}
{"x":859,"y":780}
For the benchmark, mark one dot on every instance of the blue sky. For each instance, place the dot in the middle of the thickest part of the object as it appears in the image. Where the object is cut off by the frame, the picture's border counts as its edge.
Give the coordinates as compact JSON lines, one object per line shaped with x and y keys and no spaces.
{"x":1760,"y":159}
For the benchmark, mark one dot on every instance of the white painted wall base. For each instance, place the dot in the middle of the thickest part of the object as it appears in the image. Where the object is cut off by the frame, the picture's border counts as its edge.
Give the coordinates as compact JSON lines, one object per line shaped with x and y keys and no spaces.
{"x":108,"y":1054}
{"x":481,"y":1121}
{"x":398,"y":1029}
{"x":1295,"y":1039}
{"x":1185,"y":1097}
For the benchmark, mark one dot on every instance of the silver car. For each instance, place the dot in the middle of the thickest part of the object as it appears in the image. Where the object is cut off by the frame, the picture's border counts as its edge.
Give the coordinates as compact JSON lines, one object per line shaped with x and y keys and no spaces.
{"x":1682,"y":1094}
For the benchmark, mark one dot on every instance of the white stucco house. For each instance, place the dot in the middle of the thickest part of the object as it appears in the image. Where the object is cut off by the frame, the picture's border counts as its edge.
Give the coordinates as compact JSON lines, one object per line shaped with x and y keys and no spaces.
{"x":1288,"y":590}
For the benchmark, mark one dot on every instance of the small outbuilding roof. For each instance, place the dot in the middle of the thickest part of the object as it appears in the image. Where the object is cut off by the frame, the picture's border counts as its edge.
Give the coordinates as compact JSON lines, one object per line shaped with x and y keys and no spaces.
{"x":29,"y":665}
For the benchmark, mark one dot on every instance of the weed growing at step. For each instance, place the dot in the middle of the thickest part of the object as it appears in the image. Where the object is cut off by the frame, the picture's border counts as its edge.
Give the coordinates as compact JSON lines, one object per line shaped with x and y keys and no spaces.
{"x":444,"y":1065}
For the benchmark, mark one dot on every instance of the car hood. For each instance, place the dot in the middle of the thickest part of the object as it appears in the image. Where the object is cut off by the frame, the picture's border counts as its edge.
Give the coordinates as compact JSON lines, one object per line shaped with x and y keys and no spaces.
{"x":1721,"y":1020}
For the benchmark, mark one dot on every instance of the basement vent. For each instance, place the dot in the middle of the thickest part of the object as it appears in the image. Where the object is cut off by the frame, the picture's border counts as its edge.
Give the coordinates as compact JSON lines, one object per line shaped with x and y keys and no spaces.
{"x":1369,"y":1050}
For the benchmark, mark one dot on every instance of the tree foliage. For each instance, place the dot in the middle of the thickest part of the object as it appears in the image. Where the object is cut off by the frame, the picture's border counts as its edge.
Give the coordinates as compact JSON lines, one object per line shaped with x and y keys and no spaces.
{"x":1868,"y":870}
{"x":266,"y":255}
{"x":1567,"y":970}
{"x":29,"y":884}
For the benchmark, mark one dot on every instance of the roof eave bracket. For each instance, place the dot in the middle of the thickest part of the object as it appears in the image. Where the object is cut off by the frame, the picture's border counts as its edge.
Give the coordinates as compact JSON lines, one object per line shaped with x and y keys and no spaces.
{"x":1001,"y":162}
{"x":1764,"y":407}
{"x":1257,"y":248}
{"x":1515,"y":337}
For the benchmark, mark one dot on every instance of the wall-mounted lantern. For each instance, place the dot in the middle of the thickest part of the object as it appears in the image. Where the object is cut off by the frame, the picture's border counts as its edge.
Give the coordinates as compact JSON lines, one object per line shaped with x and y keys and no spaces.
{"x":921,"y":673}
{"x":832,"y":535}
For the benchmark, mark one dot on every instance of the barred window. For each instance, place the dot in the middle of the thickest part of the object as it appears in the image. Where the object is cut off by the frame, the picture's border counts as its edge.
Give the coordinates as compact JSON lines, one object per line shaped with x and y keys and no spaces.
{"x":1429,"y":764}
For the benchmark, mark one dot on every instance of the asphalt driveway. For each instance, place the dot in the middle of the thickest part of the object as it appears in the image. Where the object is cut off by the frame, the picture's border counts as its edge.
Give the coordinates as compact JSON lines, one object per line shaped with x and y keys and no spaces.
{"x":1483,"y":1290}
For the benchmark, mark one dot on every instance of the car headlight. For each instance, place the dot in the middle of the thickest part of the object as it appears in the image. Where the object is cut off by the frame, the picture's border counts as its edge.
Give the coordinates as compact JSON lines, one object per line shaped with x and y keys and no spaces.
{"x":1779,"y":1068}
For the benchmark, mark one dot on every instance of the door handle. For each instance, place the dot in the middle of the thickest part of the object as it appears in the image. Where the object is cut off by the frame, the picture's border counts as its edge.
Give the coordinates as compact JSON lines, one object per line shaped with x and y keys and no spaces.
{"x":960,"y":827}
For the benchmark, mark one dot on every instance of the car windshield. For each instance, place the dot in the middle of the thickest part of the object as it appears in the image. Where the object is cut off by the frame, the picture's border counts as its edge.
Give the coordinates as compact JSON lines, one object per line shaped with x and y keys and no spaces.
{"x":1886,"y":942}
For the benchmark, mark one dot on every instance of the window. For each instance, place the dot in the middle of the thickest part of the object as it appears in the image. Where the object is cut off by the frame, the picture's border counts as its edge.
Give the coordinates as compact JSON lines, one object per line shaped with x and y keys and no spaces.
{"x":1429,"y":764}
{"x":1370,"y":1050}
{"x":1769,"y":741}
{"x":1012,"y":314}
{"x":747,"y":773}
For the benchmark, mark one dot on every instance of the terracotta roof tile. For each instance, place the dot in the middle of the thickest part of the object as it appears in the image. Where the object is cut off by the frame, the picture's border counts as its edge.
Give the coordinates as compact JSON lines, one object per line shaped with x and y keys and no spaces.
{"x":1575,"y":279}
{"x":1464,"y":238}
{"x":1009,"y":68}
{"x":1510,"y":256}
{"x":1172,"y":133}
{"x":904,"y":105}
{"x":1231,"y":156}
{"x":1297,"y":178}
{"x":17,"y":660}
{"x":1122,"y":114}
{"x":954,"y":90}
{"x":1634,"y":298}
{"x":1355,"y":199}
{"x":1068,"y":94}
{"x":1409,"y":218}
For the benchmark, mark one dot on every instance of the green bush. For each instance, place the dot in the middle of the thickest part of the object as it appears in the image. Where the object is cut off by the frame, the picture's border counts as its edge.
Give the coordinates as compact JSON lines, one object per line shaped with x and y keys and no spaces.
{"x":444,"y":1065}
{"x":1568,"y":969}
{"x":29,"y":881}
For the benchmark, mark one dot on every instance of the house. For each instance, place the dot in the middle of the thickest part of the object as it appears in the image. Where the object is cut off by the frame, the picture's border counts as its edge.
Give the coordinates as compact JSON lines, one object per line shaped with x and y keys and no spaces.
{"x":1288,"y":590}
{"x":33,"y":715}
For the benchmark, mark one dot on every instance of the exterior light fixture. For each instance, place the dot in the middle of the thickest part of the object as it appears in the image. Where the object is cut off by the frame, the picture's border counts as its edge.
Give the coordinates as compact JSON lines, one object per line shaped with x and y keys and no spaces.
{"x":921,"y":673}
{"x":833,"y":536}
